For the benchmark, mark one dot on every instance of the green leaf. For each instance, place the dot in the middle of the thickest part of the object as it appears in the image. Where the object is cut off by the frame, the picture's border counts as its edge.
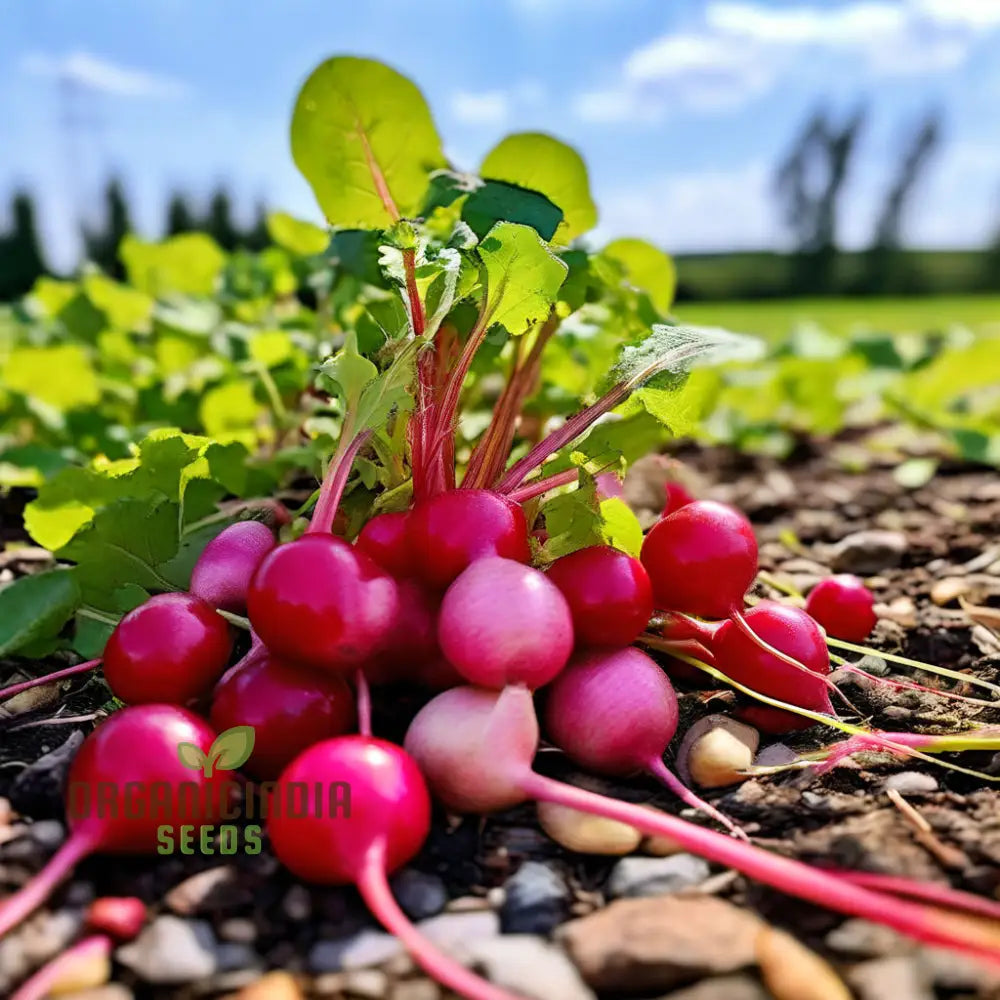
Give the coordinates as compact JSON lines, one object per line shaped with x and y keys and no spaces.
{"x":231,"y":748}
{"x":349,"y":371}
{"x":296,"y":235}
{"x":230,"y":411}
{"x":36,"y":607}
{"x":191,"y":756}
{"x":646,"y":268}
{"x":620,"y":527}
{"x":363,"y":137}
{"x":126,"y":309}
{"x":522,"y":277}
{"x":189,"y":263}
{"x":542,"y":163}
{"x":498,"y":201}
{"x":61,"y":377}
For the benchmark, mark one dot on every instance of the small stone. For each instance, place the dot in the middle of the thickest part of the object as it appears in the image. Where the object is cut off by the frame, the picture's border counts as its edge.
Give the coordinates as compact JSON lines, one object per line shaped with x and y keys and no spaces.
{"x":859,"y":938}
{"x":235,"y":955}
{"x":297,"y":904}
{"x":641,"y":945}
{"x":420,"y":894}
{"x":950,"y":589}
{"x":910,"y":783}
{"x":899,"y":978}
{"x":208,"y":891}
{"x":722,"y":988}
{"x":369,"y":984}
{"x":109,"y":991}
{"x":791,"y":971}
{"x":775,"y":755}
{"x":239,"y":930}
{"x":47,"y":833}
{"x":529,"y":967}
{"x":272,"y":986}
{"x":656,"y":876}
{"x":171,"y":950}
{"x":415,"y":989}
{"x":536,"y":900}
{"x":902,"y":611}
{"x":360,"y":951}
{"x":585,"y":833}
{"x":867,"y":552}
{"x":957,"y":973}
{"x":453,"y":930}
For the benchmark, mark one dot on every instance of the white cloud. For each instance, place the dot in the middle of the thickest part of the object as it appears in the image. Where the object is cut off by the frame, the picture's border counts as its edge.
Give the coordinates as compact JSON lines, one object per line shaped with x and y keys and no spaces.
{"x":861,"y":23}
{"x":491,"y":107}
{"x":94,"y":73}
{"x":975,"y":14}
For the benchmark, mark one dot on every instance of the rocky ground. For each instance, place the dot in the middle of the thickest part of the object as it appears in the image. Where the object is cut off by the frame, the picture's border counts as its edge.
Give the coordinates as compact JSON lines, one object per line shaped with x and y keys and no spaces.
{"x":558,"y":925}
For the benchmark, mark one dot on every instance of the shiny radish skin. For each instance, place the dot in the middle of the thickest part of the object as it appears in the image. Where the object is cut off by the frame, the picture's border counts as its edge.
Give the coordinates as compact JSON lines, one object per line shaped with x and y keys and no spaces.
{"x":608,"y":592}
{"x":675,"y":496}
{"x":385,"y":540}
{"x":319,"y":602}
{"x":125,"y":783}
{"x":505,"y":623}
{"x":844,"y":606}
{"x":701,"y":559}
{"x":170,"y":649}
{"x":290,"y":708}
{"x":793,"y":632}
{"x":452,"y":530}
{"x":221,"y":576}
{"x":411,"y":644}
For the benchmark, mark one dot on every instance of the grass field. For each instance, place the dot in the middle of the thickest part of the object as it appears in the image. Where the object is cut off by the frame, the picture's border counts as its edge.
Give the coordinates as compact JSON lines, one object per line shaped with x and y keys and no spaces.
{"x":775,"y":318}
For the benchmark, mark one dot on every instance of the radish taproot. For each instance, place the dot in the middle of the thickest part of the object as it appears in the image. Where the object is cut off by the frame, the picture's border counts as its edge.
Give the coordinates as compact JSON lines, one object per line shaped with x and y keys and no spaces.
{"x":361,"y":839}
{"x":221,"y":576}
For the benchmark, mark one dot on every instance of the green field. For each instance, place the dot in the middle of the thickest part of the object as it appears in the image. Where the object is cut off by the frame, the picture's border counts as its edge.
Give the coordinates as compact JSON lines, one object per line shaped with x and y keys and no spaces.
{"x":775,"y":318}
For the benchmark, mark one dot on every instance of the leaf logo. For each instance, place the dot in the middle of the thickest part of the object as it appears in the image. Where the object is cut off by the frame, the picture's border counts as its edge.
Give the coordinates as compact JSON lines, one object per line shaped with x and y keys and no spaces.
{"x":231,"y":749}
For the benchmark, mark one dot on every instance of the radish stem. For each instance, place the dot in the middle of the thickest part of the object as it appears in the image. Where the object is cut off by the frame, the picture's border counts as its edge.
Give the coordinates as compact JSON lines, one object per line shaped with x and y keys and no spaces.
{"x":661,"y":772}
{"x":334,"y":483}
{"x":39,"y":986}
{"x":364,"y":703}
{"x":59,"y":675}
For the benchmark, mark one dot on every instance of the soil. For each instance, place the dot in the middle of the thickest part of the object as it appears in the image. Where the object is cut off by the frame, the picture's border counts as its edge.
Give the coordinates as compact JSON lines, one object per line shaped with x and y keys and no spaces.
{"x":939,"y":825}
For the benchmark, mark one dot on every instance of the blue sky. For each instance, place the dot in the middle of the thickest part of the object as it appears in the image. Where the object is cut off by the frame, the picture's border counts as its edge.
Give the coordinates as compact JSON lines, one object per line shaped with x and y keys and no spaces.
{"x":681,"y":107}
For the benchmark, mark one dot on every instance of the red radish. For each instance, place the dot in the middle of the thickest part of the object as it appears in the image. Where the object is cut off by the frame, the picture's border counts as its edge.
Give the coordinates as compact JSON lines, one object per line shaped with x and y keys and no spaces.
{"x":505,"y":623}
{"x":476,"y":752}
{"x":384,"y":539}
{"x":608,"y":593}
{"x":121,"y":917}
{"x":289,"y":707}
{"x":221,"y":576}
{"x":379,"y":827}
{"x":451,"y":530}
{"x":676,"y":496}
{"x":411,"y":642}
{"x":171,"y":649}
{"x":844,"y":606}
{"x":631,"y":713}
{"x":320,"y":602}
{"x":701,"y":559}
{"x":125,"y":783}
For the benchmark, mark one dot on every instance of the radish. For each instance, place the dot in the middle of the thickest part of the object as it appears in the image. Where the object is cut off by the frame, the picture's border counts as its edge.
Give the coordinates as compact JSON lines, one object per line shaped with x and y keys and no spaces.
{"x":475,"y":749}
{"x":381,"y":827}
{"x":384,"y":539}
{"x":844,"y":606}
{"x":223,"y":572}
{"x":676,"y":495}
{"x":411,"y":642}
{"x":608,"y":592}
{"x":289,"y":708}
{"x":505,"y":623}
{"x":170,"y":649}
{"x":453,"y":529}
{"x":320,"y":602}
{"x":631,"y":713}
{"x":125,"y":783}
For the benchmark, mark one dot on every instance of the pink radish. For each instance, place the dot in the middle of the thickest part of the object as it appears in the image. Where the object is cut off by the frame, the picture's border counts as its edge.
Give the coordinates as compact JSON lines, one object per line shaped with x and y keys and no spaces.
{"x":384,"y":539}
{"x":221,"y":576}
{"x":382,"y":825}
{"x":844,"y":606}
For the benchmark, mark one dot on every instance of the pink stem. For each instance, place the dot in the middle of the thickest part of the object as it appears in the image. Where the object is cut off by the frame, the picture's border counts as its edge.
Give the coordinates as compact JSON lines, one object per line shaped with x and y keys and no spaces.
{"x":334,"y":483}
{"x":257,"y":651}
{"x":374,"y":889}
{"x":40,"y":984}
{"x":364,"y":703}
{"x":901,"y":685}
{"x":661,"y":772}
{"x":15,"y":908}
{"x":786,"y":875}
{"x":539,"y":486}
{"x":939,"y":895}
{"x":14,"y":689}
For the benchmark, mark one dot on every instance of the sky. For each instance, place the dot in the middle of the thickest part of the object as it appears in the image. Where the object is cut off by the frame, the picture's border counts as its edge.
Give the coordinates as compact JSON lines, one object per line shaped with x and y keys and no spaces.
{"x":681,"y":108}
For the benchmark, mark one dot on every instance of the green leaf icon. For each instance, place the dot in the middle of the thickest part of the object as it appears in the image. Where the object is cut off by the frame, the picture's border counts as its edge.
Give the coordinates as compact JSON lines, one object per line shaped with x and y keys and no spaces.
{"x":230,"y":750}
{"x":191,"y":756}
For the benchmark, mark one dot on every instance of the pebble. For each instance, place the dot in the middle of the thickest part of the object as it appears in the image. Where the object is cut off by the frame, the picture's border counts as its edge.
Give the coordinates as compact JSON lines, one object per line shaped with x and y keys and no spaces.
{"x":208,"y":891}
{"x":420,"y":894}
{"x":452,"y":931}
{"x":775,"y":755}
{"x":867,"y":552}
{"x":536,"y":900}
{"x":370,"y":984}
{"x":238,"y":929}
{"x":910,"y":783}
{"x":47,"y":833}
{"x":656,"y":876}
{"x":722,"y":988}
{"x":171,"y":950}
{"x":109,"y":991}
{"x":952,"y":972}
{"x":637,"y":945}
{"x":272,"y":986}
{"x":791,"y":971}
{"x":415,"y":989}
{"x":901,"y":610}
{"x":297,"y":904}
{"x":859,"y":938}
{"x":949,"y":589}
{"x":530,"y":967}
{"x":364,"y":949}
{"x":899,"y":978}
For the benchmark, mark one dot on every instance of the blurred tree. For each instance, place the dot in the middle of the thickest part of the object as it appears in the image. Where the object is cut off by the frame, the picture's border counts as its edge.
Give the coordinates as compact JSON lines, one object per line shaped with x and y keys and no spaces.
{"x":180,"y":217}
{"x":21,"y":262}
{"x":885,"y":270}
{"x":219,"y":221}
{"x":809,"y":184}
{"x":100,"y":246}
{"x":257,"y":238}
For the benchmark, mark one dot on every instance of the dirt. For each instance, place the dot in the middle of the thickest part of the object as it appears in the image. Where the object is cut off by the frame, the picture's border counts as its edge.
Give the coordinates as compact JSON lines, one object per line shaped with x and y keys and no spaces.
{"x":940,"y":825}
